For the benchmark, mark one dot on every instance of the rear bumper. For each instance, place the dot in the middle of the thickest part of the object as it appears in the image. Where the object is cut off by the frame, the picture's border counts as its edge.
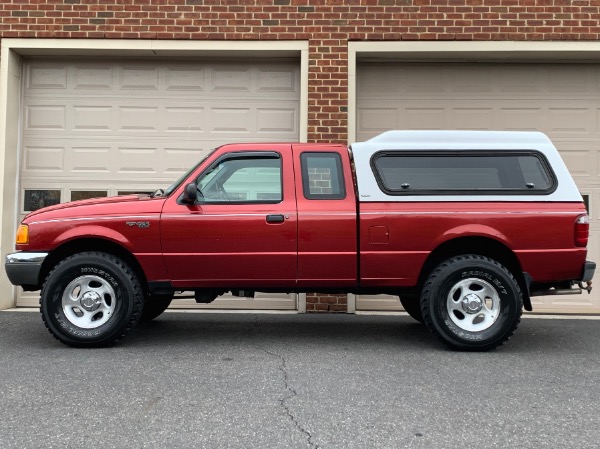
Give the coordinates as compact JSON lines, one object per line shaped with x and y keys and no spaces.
{"x":23,"y":268}
{"x":588,"y":271}
{"x":564,"y":287}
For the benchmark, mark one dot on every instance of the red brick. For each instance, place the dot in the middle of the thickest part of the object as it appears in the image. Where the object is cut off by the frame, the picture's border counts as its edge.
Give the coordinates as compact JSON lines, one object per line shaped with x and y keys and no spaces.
{"x":320,"y":307}
{"x":338,"y":308}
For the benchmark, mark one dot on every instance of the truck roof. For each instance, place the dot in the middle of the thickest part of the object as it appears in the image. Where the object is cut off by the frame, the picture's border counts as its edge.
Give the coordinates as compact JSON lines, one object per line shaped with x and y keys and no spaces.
{"x":437,"y":139}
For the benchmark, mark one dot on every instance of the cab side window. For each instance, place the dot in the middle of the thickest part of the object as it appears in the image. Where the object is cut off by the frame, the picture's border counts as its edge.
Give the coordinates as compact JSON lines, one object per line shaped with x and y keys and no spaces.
{"x":242,"y":178}
{"x":322,"y":176}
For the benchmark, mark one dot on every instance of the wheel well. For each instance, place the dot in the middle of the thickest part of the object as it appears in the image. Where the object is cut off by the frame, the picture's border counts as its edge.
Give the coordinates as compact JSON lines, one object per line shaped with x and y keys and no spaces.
{"x":91,"y":244}
{"x":484,"y":247}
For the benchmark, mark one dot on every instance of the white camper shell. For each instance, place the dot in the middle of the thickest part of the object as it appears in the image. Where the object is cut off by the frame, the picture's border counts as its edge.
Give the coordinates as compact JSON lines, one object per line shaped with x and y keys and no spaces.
{"x":511,"y":166}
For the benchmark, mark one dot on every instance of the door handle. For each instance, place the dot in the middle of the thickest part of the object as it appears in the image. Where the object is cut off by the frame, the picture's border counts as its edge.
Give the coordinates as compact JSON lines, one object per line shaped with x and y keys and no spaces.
{"x":276,"y":218}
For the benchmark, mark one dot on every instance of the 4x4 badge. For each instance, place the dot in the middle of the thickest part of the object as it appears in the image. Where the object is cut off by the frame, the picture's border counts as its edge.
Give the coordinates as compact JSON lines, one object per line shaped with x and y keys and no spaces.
{"x":139,"y":224}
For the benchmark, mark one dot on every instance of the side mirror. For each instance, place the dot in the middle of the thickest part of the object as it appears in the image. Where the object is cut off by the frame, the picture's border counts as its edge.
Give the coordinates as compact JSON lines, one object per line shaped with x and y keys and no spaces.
{"x":190,"y":194}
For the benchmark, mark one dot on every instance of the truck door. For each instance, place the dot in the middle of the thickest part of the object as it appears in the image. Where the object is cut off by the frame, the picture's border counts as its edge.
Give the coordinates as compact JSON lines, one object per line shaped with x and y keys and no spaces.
{"x":327,"y":219}
{"x":242,"y":230}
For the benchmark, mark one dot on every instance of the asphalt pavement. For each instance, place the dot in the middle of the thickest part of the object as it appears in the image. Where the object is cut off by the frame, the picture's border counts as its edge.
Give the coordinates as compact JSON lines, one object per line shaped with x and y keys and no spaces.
{"x":209,"y":380}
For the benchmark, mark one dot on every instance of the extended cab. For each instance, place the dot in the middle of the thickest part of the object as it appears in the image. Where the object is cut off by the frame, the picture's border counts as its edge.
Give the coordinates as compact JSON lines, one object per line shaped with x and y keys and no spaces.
{"x":464,"y":226}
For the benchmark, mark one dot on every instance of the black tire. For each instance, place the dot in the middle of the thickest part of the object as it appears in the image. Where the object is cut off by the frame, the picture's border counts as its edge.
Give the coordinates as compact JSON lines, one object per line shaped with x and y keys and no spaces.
{"x":91,"y":299}
{"x":457,"y":288}
{"x":154,"y":306}
{"x":412,"y":306}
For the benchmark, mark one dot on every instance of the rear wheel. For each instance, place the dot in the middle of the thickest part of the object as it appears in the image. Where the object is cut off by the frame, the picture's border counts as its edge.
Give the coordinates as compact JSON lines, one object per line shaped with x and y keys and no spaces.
{"x":91,"y":299}
{"x":471,"y":302}
{"x":412,"y":306}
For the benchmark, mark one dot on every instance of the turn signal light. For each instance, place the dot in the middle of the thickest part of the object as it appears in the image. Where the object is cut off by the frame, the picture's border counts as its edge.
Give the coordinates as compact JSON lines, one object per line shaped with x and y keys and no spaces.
{"x":22,"y":235}
{"x":582,"y":230}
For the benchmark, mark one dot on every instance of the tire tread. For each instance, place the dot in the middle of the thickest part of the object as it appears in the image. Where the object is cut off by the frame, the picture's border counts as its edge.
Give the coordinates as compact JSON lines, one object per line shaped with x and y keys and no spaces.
{"x":426,"y":294}
{"x":138,"y":300}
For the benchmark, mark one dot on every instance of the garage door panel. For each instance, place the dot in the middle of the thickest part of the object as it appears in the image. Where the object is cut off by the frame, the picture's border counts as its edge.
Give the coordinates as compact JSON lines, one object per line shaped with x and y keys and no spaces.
{"x":518,"y":80}
{"x":230,"y":119}
{"x":561,"y":100}
{"x":185,"y":78}
{"x":46,"y":117}
{"x":42,"y":158}
{"x":481,"y":118}
{"x":89,"y":160}
{"x":138,"y":160}
{"x":46,"y":77}
{"x":276,"y":120}
{"x":98,"y":77}
{"x":276,"y":80}
{"x":419,"y":84}
{"x":375,"y":83}
{"x":378,"y":119}
{"x":138,"y":78}
{"x":566,"y":121}
{"x":524,"y":118}
{"x":580,"y":159}
{"x":469,"y":80}
{"x":416,"y":118}
{"x":92,"y":119}
{"x":563,"y":79}
{"x":231,"y":79}
{"x":185,"y":119}
{"x":138,"y":118}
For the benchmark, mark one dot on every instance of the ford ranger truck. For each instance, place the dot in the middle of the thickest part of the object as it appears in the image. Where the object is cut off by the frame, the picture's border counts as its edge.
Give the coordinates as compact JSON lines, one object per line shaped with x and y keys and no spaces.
{"x":464,"y":226}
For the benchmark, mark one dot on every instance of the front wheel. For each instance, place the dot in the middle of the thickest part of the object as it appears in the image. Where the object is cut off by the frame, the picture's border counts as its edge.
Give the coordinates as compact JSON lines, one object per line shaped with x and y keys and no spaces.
{"x":472,"y":302}
{"x":91,"y":299}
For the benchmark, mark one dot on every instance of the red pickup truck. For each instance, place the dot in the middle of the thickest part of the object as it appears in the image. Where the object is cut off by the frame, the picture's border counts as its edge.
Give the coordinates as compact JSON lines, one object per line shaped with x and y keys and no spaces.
{"x":464,"y":226}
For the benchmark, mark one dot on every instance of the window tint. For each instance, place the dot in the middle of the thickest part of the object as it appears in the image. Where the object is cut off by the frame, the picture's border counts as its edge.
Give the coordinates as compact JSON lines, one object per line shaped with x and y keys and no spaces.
{"x":322,"y":176}
{"x":508,"y":172}
{"x":87,"y":194}
{"x":134,"y":192}
{"x":34,"y":199}
{"x":242,"y":179}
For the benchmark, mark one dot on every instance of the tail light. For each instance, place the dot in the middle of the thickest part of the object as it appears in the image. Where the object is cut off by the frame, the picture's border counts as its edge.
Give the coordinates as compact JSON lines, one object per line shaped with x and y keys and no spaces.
{"x":582,"y":230}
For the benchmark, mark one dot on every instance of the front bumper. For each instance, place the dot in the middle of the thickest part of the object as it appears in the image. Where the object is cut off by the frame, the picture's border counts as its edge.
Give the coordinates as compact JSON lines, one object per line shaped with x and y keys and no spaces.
{"x":23,"y":268}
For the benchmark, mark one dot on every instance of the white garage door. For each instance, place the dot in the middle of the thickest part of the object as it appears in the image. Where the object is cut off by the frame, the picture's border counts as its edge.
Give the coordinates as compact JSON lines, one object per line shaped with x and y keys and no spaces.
{"x":562,"y":100}
{"x":105,"y":127}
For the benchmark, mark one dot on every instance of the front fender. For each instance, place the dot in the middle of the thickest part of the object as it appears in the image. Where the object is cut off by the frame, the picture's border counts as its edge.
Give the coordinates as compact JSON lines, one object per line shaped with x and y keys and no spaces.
{"x":92,"y":231}
{"x":135,"y":236}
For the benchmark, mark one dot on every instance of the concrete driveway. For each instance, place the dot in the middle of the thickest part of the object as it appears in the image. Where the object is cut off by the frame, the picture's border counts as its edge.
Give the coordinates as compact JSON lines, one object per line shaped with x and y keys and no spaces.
{"x":206,"y":380}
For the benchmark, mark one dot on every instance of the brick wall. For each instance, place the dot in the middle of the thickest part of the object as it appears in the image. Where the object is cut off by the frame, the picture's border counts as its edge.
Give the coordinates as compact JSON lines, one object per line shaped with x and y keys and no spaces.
{"x":327,"y":24}
{"x":319,"y":302}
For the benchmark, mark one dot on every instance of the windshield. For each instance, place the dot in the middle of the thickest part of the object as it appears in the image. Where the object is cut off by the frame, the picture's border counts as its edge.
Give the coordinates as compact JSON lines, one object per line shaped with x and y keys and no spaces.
{"x":183,"y":177}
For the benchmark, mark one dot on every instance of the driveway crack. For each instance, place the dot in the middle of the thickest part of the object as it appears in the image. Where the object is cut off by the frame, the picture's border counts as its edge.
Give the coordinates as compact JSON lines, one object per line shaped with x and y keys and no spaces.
{"x":291,"y":394}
